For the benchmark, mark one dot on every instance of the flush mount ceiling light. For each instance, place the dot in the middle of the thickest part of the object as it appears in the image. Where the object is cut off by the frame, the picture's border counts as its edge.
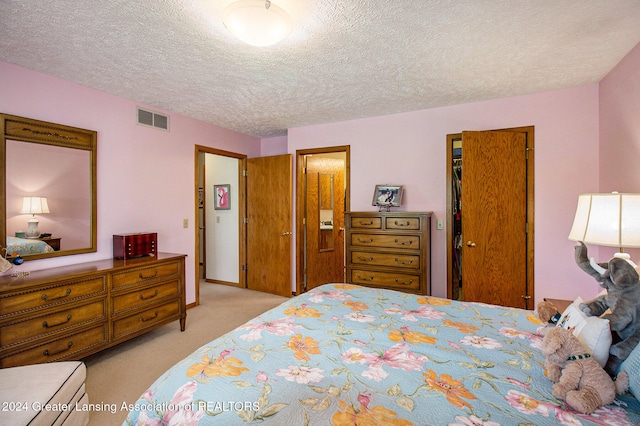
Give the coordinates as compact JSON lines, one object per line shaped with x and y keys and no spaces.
{"x":257,"y":22}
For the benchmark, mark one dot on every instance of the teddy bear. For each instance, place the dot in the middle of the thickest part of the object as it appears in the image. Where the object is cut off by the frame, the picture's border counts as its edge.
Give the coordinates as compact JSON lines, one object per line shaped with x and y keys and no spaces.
{"x":548,"y":313}
{"x":578,"y":378}
{"x":620,"y":278}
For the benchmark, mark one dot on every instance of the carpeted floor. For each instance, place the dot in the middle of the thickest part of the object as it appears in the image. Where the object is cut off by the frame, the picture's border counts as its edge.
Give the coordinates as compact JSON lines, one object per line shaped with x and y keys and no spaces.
{"x":122,"y":373}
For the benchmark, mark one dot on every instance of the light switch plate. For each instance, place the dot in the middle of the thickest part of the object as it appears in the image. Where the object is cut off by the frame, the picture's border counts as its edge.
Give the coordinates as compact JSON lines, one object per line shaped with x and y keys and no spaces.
{"x":439,"y":224}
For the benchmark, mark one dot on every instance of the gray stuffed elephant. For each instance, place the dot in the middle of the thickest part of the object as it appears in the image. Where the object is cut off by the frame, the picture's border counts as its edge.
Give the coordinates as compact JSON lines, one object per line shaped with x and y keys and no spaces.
{"x":622,"y":282}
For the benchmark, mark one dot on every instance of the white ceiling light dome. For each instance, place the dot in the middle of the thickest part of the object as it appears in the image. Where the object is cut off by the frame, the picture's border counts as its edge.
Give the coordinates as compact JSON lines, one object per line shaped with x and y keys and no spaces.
{"x":257,"y":22}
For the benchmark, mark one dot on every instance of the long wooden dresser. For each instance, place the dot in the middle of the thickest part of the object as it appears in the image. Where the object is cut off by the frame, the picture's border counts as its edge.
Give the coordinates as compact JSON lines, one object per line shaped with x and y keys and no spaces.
{"x":389,"y":250}
{"x":69,"y":312}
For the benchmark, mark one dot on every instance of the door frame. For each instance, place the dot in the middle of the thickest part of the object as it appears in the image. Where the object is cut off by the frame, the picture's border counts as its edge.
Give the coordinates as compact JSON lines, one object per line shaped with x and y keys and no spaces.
{"x":300,"y":201}
{"x":242,"y":206}
{"x":529,"y":133}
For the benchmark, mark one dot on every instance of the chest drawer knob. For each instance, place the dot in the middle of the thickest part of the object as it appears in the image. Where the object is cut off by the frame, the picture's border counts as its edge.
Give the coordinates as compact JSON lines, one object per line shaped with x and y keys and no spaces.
{"x":146,"y":277}
{"x":45,"y":324}
{"x":407,"y":223}
{"x":369,"y":241}
{"x":364,"y":278}
{"x":66,"y":294}
{"x":404,"y":243}
{"x":365,"y":259}
{"x":404,"y":282}
{"x":149,"y":318}
{"x":143,"y":297}
{"x":400,"y":262}
{"x":47,"y":353}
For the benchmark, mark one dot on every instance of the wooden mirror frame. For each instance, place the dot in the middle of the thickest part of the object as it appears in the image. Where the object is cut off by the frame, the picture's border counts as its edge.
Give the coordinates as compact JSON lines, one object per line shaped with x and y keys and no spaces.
{"x":23,"y":129}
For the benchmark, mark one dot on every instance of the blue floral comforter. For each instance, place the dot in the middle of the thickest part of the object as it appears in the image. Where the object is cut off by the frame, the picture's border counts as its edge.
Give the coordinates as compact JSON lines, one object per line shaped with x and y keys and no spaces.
{"x":24,"y":246}
{"x":345,"y":355}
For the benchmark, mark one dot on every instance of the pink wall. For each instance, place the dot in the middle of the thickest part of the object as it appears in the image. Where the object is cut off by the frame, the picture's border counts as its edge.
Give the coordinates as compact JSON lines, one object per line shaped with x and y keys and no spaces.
{"x":145,"y":176}
{"x":410,"y":149}
{"x":273,"y":146}
{"x":620,"y":131}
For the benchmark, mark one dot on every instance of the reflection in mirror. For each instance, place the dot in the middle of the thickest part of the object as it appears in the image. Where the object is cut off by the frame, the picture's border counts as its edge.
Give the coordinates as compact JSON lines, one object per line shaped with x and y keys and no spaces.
{"x":56,"y":163}
{"x":326,"y":198}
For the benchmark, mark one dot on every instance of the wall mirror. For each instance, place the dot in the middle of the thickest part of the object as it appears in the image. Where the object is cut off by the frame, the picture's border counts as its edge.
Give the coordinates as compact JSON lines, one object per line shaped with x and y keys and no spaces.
{"x":325,"y":205}
{"x":48,"y":198}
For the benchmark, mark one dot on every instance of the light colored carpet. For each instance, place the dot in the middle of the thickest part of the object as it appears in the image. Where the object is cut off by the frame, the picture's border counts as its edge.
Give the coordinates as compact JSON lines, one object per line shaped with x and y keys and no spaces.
{"x":122,"y":373}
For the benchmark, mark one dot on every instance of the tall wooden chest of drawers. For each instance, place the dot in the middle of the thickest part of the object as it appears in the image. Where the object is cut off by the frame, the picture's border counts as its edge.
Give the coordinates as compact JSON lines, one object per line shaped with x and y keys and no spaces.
{"x":389,"y":250}
{"x":70,"y":312}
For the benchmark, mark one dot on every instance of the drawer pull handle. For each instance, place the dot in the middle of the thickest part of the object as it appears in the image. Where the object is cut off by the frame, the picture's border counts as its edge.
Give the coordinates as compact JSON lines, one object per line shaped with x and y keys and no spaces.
{"x":47,"y":353}
{"x":399,"y":262}
{"x":45,"y":324}
{"x":404,"y":282}
{"x":364,"y":259}
{"x":365,"y":278}
{"x":145,"y":277}
{"x":404,"y":243}
{"x":149,"y":318}
{"x":407,"y":223}
{"x":142,"y":297}
{"x":66,"y":294}
{"x":369,"y":241}
{"x":365,"y":223}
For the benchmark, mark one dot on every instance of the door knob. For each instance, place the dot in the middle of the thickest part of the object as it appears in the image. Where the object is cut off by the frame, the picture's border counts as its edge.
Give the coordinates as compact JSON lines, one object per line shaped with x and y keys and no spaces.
{"x":471,"y":244}
{"x":287,"y":233}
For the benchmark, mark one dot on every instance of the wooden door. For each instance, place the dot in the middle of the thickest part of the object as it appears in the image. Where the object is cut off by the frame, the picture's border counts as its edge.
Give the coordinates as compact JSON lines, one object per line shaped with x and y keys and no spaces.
{"x":269,"y":224}
{"x":325,"y":192}
{"x":494,"y":218}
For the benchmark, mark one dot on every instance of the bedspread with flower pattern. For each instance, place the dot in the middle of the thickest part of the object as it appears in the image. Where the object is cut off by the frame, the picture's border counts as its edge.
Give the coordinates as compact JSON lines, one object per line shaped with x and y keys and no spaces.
{"x":342,"y":355}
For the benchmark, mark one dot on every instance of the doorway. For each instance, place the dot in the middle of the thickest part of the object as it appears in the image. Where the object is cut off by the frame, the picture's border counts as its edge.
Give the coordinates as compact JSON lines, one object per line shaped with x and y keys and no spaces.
{"x":220,"y":241}
{"x":322,"y":199}
{"x":490,"y":216}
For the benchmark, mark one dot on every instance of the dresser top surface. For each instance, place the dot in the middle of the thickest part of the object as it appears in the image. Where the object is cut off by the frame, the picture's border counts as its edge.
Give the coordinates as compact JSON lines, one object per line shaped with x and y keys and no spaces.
{"x":9,"y":283}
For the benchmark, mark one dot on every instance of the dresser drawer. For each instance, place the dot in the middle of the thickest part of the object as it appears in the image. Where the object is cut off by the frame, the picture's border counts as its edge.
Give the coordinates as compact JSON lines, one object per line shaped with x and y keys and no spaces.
{"x":63,"y":348}
{"x":366,"y":222}
{"x":393,"y":280}
{"x":43,"y":297}
{"x":143,"y":274}
{"x":402,"y":223}
{"x":145,"y":296}
{"x":409,"y":242}
{"x":52,"y":322}
{"x":146,"y":318}
{"x":406,"y":261}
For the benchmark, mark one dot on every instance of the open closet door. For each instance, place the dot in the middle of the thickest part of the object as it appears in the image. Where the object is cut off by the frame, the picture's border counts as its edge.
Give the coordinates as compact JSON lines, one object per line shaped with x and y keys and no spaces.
{"x":269,"y":224}
{"x":494,"y":224}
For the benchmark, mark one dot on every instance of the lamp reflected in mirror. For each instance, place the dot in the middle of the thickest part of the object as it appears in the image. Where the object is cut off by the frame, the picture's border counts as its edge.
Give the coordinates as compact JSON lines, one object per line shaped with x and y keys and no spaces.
{"x":33,"y":206}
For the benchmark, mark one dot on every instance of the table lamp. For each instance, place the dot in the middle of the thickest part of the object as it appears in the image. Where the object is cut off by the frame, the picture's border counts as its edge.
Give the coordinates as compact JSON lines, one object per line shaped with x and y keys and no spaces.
{"x":33,"y":206}
{"x":608,"y":219}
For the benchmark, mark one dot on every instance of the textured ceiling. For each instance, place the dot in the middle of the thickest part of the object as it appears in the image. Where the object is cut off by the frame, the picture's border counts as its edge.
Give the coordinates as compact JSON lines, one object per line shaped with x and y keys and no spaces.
{"x":345,"y":59}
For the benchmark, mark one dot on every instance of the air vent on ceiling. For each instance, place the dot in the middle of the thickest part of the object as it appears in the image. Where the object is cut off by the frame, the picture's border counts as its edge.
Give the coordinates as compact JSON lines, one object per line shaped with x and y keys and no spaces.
{"x":153,"y":119}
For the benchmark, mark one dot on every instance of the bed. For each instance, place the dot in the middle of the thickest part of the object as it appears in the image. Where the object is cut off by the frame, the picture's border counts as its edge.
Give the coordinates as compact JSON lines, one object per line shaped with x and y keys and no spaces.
{"x":343,"y":355}
{"x":24,"y":246}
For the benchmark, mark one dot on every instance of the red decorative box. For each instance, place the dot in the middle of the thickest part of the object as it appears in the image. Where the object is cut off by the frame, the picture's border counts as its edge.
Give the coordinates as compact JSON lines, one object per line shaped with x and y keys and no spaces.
{"x":127,"y":246}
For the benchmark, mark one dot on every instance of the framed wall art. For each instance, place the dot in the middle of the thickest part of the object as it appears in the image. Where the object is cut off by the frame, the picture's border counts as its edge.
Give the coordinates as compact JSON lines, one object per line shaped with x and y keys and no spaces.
{"x":387,"y":196}
{"x":222,"y":194}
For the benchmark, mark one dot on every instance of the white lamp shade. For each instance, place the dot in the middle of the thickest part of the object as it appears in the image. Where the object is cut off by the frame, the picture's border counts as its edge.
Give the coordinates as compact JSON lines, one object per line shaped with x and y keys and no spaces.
{"x":34,"y":205}
{"x":253,"y":23}
{"x":607,"y":220}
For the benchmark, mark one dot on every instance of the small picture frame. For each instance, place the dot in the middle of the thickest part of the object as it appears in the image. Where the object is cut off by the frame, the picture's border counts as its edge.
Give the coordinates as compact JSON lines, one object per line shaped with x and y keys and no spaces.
{"x":387,"y":196}
{"x":222,"y":197}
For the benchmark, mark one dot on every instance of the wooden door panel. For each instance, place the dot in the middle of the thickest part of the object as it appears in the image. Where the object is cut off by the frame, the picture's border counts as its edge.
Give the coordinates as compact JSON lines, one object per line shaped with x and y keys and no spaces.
{"x":322,"y":265}
{"x":269,"y":224}
{"x":494,"y":211}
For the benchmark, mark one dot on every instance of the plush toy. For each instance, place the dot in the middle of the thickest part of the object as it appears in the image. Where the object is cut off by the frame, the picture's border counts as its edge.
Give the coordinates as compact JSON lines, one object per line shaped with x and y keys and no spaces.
{"x":578,"y":378}
{"x":621,"y":280}
{"x":548,"y":313}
